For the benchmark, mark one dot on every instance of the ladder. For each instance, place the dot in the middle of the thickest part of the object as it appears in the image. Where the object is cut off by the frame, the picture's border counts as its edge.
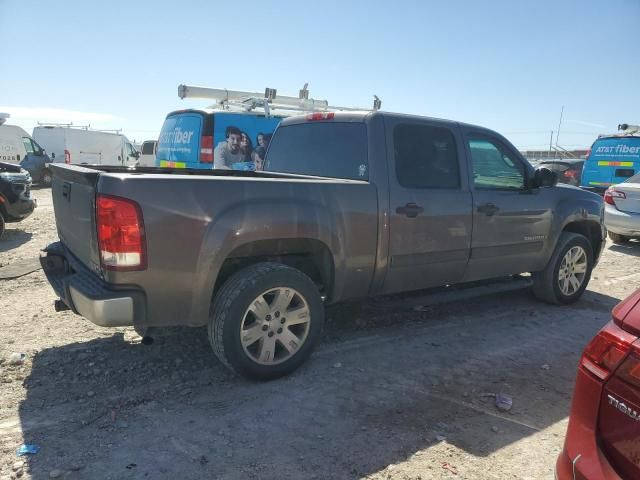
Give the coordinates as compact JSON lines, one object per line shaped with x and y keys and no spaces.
{"x":269,"y":100}
{"x":87,"y":128}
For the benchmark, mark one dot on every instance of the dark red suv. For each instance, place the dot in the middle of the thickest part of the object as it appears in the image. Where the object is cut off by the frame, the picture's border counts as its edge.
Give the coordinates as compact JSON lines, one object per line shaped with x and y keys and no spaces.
{"x":603,"y":437}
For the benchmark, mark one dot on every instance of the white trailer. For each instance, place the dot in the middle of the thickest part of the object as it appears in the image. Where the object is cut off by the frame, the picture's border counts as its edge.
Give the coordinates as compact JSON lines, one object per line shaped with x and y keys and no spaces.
{"x":80,"y":145}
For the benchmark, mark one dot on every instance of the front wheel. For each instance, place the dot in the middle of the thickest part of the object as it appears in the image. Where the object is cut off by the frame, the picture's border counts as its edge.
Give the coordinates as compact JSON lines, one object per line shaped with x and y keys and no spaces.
{"x":616,"y":238}
{"x":46,"y":178}
{"x":567,"y":274}
{"x":265,"y":320}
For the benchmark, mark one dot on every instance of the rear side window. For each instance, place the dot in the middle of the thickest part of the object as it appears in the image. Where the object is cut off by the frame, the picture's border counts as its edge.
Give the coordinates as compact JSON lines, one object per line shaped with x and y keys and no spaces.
{"x":324,"y":149}
{"x":179,"y":139}
{"x":426,"y":157}
{"x":147,"y":148}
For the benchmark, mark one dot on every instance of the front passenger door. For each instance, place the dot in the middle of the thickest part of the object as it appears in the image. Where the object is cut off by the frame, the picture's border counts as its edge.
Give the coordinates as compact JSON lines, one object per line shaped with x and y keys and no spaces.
{"x":511,"y":221}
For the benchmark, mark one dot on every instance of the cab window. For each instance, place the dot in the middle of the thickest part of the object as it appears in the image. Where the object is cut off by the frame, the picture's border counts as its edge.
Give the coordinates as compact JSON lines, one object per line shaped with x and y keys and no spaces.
{"x":494,"y":167}
{"x":426,"y":157}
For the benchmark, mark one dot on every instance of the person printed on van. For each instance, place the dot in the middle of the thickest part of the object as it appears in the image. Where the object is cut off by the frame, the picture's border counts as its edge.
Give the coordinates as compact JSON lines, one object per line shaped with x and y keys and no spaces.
{"x":246,"y":147}
{"x":228,"y":151}
{"x":260,"y":141}
{"x":258,"y":157}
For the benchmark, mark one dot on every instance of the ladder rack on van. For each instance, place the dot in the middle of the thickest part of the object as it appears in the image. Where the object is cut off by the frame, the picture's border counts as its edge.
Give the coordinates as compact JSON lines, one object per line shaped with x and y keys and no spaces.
{"x":270,"y":100}
{"x":87,"y":128}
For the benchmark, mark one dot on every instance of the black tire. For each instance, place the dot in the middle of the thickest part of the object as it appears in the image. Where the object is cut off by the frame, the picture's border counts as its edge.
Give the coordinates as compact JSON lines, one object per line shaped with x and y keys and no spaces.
{"x":46,"y":178}
{"x":617,"y":238}
{"x":2,"y":224}
{"x":546,"y":286}
{"x":231,"y":303}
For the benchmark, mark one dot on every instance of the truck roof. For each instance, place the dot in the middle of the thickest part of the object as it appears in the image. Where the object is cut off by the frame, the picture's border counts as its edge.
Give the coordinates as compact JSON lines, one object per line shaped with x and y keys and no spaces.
{"x":364,"y":115}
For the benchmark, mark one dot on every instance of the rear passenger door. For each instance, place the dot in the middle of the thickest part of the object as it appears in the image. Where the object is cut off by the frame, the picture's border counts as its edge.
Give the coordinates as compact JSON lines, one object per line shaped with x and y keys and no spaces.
{"x":511,"y":222}
{"x":430,"y":214}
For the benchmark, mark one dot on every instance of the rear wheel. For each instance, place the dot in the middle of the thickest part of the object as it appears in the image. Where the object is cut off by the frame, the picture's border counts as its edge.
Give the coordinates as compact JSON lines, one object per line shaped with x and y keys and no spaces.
{"x":265,"y":320}
{"x":616,"y":238}
{"x":567,"y":274}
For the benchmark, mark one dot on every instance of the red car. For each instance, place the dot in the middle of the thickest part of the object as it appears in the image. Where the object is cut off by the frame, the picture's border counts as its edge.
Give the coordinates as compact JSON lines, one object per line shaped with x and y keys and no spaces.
{"x":603,"y":437}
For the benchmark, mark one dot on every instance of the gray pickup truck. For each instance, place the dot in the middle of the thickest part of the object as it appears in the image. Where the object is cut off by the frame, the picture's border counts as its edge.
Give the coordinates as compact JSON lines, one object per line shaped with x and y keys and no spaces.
{"x":352,"y":205}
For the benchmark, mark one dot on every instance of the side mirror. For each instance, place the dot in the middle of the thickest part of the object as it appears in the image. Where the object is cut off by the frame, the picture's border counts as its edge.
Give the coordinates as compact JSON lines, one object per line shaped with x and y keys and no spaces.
{"x":136,"y":155}
{"x":53,"y":155}
{"x":544,"y":177}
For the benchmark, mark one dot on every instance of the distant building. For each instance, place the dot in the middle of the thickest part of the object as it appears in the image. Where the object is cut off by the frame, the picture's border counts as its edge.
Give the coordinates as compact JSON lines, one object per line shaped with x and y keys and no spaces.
{"x":554,"y":154}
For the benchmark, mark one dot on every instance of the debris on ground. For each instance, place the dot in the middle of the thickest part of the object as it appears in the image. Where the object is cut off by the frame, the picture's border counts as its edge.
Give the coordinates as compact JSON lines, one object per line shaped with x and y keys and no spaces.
{"x":55,"y":473}
{"x":450,"y":468}
{"x":17,"y":358}
{"x":337,"y":365}
{"x":545,"y":367}
{"x":494,"y":429}
{"x":28,"y":449}
{"x":503,"y":402}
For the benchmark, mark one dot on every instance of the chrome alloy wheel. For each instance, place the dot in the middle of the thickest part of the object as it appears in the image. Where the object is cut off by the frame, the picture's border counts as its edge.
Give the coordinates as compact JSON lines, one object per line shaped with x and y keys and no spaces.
{"x":573,"y":271}
{"x":275,"y":326}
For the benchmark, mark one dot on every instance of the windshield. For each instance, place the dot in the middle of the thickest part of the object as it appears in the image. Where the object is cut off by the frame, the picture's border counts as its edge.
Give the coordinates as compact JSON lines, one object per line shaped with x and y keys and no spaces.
{"x":324,"y":149}
{"x":634,"y":179}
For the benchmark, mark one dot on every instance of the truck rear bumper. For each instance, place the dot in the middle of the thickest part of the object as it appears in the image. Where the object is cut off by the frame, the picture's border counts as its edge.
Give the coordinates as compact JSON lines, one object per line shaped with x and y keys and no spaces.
{"x":88,"y":295}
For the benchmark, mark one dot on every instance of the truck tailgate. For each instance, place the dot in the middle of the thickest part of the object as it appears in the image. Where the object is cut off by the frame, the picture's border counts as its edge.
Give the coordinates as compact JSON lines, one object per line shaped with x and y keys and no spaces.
{"x":73,"y":192}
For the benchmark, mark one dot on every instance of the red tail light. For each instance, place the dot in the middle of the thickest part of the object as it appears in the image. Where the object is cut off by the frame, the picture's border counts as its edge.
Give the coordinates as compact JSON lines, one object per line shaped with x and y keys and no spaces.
{"x":630,"y":371}
{"x":313,"y":117}
{"x":121,"y":238}
{"x":570,"y":173}
{"x":611,"y":194}
{"x":67,"y":156}
{"x":605,"y":352}
{"x":206,"y":149}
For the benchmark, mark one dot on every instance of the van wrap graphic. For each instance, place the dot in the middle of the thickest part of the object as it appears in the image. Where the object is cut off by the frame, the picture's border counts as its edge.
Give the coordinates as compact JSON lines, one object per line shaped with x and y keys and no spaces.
{"x":179,"y":140}
{"x":602,"y":168}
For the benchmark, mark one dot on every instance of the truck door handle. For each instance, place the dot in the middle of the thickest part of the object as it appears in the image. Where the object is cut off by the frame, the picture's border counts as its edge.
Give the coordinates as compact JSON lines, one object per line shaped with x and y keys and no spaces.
{"x":411,"y":210}
{"x":488,"y":209}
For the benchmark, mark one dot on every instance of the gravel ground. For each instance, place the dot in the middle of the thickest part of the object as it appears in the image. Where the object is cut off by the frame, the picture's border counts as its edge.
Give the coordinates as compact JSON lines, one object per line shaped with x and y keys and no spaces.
{"x":391,"y":392}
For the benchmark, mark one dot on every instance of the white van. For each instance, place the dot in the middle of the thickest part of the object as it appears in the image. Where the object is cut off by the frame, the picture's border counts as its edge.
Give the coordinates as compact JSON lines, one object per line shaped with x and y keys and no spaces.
{"x":148,"y":154}
{"x":17,"y":146}
{"x":82,"y":146}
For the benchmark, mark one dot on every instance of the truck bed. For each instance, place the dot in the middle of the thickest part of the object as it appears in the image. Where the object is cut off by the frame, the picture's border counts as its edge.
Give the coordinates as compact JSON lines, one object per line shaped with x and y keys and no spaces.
{"x":194,"y":220}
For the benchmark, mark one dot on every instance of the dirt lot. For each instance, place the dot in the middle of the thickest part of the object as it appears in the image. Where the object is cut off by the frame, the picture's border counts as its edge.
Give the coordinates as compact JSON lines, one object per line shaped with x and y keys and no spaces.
{"x":393,"y":392}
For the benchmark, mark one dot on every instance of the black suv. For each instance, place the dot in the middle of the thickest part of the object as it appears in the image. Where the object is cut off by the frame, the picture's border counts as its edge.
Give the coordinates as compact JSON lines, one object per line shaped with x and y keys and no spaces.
{"x":16,"y":203}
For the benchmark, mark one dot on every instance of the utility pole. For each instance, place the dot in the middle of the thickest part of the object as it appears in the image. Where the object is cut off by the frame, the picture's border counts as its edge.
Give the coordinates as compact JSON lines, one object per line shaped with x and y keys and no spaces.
{"x":550,"y":142}
{"x":559,"y":125}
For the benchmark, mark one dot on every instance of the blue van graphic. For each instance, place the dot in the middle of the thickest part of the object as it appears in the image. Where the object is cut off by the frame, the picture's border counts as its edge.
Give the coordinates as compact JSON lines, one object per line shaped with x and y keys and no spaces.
{"x":613,"y":159}
{"x":215,"y":139}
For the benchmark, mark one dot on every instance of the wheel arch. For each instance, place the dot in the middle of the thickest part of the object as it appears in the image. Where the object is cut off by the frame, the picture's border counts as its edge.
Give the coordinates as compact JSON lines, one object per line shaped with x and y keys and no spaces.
{"x":310,"y":256}
{"x":591,"y":230}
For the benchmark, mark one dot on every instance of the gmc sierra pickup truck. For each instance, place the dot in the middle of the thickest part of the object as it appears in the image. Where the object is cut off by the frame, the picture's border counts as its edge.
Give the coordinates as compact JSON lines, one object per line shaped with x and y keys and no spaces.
{"x":351,"y":205}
